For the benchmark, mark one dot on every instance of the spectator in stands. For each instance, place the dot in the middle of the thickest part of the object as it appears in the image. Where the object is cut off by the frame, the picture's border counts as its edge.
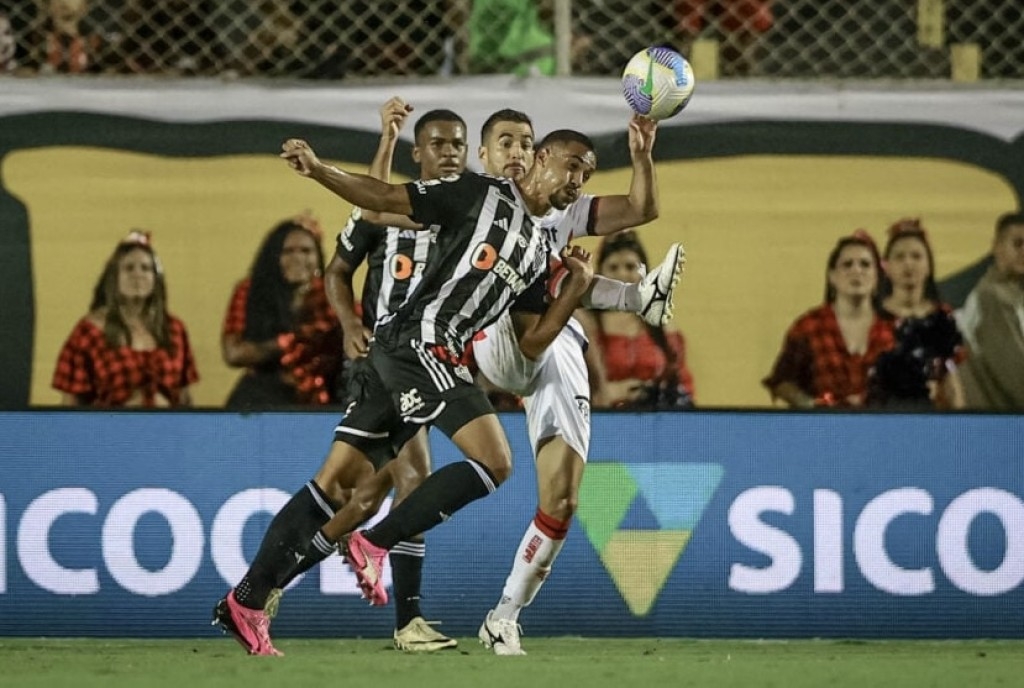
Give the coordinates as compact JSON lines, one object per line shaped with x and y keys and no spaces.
{"x":606,"y":32}
{"x":280,"y":327}
{"x":275,"y":45}
{"x":168,"y":37}
{"x":992,"y":321}
{"x":828,"y":352}
{"x":737,"y":23}
{"x":128,"y":350}
{"x":921,"y":370}
{"x":8,"y":45}
{"x":389,"y":37}
{"x":633,"y":364}
{"x":510,"y":36}
{"x":69,"y":45}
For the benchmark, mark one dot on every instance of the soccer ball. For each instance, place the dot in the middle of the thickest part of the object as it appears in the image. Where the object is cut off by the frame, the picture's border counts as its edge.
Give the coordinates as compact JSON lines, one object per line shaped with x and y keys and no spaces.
{"x":657,"y":82}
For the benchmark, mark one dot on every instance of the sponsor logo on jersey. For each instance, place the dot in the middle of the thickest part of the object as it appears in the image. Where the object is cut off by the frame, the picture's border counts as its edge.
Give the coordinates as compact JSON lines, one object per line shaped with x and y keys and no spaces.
{"x":509,"y":276}
{"x":485,"y":257}
{"x":403,"y":267}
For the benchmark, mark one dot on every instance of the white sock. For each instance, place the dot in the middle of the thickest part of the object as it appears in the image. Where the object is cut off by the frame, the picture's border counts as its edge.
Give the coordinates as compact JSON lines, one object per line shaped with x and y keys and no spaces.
{"x":612,"y":295}
{"x":537,"y":551}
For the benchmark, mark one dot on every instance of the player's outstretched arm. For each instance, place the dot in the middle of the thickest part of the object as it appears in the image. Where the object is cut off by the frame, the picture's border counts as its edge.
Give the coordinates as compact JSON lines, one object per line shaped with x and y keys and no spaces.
{"x":358,"y":189}
{"x":640,"y":205}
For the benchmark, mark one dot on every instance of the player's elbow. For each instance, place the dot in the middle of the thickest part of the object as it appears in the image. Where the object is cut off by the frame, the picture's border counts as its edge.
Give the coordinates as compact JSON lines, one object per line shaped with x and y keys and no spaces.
{"x":532,"y":347}
{"x":649,"y":213}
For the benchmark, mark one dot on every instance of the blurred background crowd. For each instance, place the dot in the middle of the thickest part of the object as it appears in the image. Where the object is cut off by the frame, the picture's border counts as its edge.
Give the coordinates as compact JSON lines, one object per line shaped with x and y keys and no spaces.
{"x":323,"y":39}
{"x":883,"y":336}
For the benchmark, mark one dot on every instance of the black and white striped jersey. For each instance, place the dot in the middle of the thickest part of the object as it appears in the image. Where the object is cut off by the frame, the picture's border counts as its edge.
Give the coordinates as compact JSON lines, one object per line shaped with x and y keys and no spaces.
{"x":395,"y":260}
{"x":487,"y":251}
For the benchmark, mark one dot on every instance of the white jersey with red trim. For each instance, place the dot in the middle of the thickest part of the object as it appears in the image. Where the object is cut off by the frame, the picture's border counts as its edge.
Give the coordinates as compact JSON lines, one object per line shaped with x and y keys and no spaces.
{"x":577,"y":220}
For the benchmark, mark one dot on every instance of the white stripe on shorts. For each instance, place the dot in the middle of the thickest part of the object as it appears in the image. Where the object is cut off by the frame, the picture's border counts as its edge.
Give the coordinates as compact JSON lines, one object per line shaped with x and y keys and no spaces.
{"x":436,"y":369}
{"x":421,"y":420}
{"x":361,"y":433}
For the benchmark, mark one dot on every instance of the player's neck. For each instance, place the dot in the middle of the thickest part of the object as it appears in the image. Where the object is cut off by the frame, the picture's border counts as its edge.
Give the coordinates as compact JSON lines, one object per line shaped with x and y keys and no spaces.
{"x":537,"y":202}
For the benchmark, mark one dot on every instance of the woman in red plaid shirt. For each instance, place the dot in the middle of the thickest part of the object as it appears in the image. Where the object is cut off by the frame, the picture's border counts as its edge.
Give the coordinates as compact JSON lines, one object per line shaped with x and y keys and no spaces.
{"x":128,"y":351}
{"x":829,"y":351}
{"x":280,"y":327}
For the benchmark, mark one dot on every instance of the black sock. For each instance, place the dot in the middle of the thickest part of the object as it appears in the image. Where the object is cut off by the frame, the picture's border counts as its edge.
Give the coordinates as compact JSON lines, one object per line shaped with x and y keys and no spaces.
{"x":305,"y":557}
{"x":289,"y":532}
{"x":406,"y":575}
{"x":441,"y":495}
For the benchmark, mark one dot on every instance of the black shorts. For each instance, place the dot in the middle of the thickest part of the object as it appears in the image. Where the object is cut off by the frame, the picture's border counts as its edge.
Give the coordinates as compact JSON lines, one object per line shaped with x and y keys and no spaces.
{"x":394,"y":393}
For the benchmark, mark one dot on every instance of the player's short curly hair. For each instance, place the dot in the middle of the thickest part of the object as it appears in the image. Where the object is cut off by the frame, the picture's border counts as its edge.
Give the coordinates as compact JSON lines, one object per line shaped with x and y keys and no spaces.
{"x":439,"y":115}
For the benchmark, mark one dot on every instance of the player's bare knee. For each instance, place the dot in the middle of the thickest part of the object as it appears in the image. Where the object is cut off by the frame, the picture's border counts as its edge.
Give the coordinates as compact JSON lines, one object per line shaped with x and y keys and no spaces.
{"x":499,"y":464}
{"x":367,"y":502}
{"x":502,"y":471}
{"x":408,"y":480}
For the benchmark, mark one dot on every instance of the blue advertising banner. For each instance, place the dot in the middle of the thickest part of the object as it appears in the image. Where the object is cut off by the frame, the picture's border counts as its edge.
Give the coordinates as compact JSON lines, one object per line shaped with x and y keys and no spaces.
{"x":707,"y":524}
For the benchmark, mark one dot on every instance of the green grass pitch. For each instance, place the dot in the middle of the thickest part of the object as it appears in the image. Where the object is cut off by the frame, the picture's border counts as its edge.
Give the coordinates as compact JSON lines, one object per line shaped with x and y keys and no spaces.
{"x":555,"y":662}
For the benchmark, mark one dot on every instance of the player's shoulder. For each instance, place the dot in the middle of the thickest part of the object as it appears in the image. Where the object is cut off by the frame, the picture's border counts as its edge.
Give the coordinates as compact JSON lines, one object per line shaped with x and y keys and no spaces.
{"x":463,"y":178}
{"x":356,"y":225}
{"x":578,"y":208}
{"x":504,"y":183}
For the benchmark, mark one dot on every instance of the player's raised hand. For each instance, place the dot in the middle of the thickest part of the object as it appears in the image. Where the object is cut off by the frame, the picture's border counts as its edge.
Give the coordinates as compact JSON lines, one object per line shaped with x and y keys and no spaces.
{"x":642,"y":132}
{"x":300,"y":156}
{"x":577,"y":261}
{"x":393,"y":114}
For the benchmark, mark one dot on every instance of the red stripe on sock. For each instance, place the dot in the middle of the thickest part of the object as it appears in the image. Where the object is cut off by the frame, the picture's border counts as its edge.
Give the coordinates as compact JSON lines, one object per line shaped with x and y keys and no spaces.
{"x":551,"y":526}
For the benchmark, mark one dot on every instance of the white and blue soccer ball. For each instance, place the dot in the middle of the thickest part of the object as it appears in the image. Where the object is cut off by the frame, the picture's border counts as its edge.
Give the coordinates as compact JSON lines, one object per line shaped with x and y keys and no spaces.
{"x":657,"y":82}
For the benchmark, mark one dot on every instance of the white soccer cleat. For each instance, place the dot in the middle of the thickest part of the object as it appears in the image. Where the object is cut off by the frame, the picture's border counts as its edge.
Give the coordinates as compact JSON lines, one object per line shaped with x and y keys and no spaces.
{"x":657,"y":286}
{"x":501,"y":635}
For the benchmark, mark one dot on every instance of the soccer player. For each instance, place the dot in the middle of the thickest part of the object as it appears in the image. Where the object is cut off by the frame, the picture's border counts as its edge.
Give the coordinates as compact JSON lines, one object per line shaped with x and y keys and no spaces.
{"x":555,"y":386}
{"x":394,"y":258}
{"x":488,"y":251}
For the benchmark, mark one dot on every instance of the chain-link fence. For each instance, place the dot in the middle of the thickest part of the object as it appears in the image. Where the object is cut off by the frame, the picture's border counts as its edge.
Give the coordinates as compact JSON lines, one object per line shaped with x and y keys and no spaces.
{"x":334,"y":39}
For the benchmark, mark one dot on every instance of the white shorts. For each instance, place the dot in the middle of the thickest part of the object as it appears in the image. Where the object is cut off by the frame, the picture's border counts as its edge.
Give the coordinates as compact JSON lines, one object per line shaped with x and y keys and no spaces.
{"x":555,"y":388}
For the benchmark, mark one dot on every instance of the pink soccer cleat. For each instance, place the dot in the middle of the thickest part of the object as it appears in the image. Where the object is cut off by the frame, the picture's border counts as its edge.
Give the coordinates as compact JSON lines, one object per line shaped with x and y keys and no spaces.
{"x":250,"y":627}
{"x":367,"y":560}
